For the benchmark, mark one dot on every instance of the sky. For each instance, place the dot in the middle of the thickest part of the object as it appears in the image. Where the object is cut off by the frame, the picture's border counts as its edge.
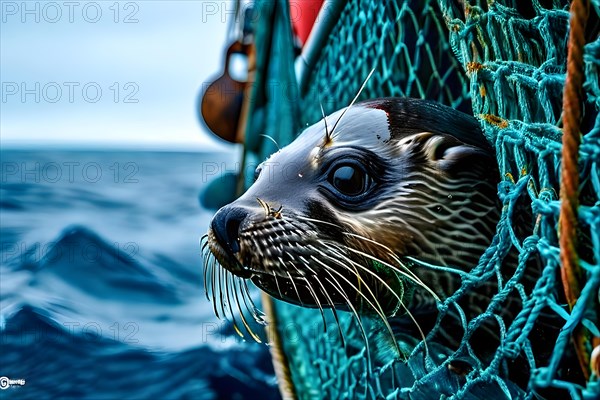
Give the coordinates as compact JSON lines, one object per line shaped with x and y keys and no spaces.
{"x":109,"y":73}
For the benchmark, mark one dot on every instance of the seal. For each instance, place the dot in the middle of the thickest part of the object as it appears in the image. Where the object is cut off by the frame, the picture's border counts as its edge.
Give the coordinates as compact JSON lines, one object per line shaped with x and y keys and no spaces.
{"x":338,"y":218}
{"x":381,"y":209}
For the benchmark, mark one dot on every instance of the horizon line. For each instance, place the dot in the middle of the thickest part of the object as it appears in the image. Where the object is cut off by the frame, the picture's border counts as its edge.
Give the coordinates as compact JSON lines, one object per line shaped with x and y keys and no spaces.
{"x":127,"y":145}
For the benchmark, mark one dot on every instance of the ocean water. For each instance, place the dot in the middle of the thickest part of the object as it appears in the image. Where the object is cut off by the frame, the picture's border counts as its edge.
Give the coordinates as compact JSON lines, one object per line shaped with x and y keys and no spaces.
{"x":101,"y":281}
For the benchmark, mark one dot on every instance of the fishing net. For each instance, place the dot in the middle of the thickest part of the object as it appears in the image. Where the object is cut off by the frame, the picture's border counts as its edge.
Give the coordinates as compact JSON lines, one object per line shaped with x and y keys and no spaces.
{"x":505,"y":62}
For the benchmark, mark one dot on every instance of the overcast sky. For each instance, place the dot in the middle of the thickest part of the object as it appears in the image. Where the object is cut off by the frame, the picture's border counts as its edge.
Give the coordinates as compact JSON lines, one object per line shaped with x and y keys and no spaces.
{"x":98,"y":73}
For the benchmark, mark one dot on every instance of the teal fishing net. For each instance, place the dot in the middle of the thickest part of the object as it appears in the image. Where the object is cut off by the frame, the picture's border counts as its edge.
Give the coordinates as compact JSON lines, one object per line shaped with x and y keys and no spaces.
{"x":505,"y":62}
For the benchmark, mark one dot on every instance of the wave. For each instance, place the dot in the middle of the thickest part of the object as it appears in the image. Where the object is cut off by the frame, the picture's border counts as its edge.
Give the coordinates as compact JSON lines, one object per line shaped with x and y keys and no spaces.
{"x":83,"y":259}
{"x":84,"y":365}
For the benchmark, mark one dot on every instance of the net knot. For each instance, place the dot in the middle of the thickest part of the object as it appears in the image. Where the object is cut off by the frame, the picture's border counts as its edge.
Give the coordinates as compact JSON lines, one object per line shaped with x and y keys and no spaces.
{"x":505,"y":189}
{"x":530,"y":243}
{"x":511,"y":350}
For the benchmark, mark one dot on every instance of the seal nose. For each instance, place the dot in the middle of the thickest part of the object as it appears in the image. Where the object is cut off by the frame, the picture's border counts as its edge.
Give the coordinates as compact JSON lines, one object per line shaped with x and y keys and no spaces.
{"x":226,"y":227}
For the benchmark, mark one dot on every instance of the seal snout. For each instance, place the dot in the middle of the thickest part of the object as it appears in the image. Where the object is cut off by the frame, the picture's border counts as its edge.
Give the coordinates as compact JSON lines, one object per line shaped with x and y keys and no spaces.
{"x":225,"y":227}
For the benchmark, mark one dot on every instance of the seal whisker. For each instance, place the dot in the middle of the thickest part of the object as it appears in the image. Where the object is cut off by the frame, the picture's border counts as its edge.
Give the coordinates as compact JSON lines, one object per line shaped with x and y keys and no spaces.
{"x":415,"y":279}
{"x":400,"y":303}
{"x":277,"y":283}
{"x":327,"y":134}
{"x":421,"y":333}
{"x":378,"y":309}
{"x":228,"y":276}
{"x":271,"y":139}
{"x":222,"y":272}
{"x":333,"y":311}
{"x":356,"y":264}
{"x":214,"y":286}
{"x":251,"y":308}
{"x":295,"y":288}
{"x":317,"y":301}
{"x":301,"y":217}
{"x":389,"y":252}
{"x":361,"y":327}
{"x":265,"y":207}
{"x":352,"y":102}
{"x":204,"y":242}
{"x":207,"y":258}
{"x":408,"y":274}
{"x":248,"y":302}
{"x":256,"y":313}
{"x":207,"y":274}
{"x":244,"y":321}
{"x":213,"y":291}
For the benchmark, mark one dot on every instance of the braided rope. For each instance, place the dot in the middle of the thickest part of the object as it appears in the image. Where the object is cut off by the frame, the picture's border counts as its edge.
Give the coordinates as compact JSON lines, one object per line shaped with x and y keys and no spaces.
{"x":280,"y":361}
{"x":569,"y":189}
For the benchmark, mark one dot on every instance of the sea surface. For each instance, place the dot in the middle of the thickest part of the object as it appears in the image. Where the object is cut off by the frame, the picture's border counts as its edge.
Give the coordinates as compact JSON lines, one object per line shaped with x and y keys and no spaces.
{"x":101,"y":291}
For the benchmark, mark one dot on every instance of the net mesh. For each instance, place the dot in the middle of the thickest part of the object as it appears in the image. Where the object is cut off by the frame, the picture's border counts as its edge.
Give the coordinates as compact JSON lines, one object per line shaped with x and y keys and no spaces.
{"x":407,"y":46}
{"x":504,"y":61}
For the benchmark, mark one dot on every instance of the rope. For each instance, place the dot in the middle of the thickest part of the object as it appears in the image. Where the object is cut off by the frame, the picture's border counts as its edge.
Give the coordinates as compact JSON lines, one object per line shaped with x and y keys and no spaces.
{"x":571,"y":273}
{"x":280,"y":361}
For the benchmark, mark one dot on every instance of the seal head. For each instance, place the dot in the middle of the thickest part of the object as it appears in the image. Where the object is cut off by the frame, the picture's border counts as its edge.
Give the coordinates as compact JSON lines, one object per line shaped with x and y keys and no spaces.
{"x":332,"y":218}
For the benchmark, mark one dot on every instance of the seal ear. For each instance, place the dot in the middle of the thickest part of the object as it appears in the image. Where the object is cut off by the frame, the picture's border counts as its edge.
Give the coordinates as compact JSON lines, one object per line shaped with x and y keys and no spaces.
{"x":451,"y":155}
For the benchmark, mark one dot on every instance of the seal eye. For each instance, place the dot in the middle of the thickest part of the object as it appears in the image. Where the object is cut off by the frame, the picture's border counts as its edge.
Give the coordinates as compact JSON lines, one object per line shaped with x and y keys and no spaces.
{"x":350,"y":180}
